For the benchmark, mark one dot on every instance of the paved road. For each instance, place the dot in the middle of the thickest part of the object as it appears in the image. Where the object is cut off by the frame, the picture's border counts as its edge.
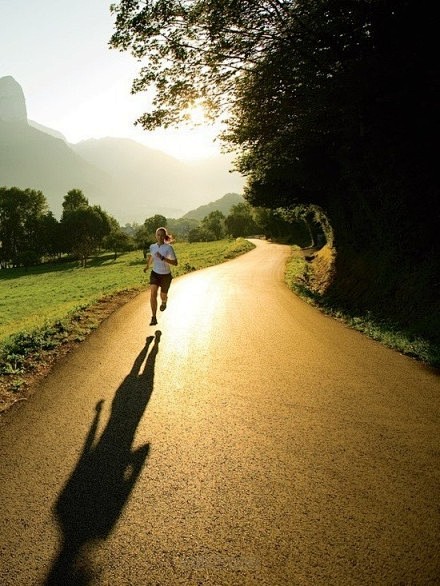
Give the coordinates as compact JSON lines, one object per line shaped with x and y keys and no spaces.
{"x":246,"y":440}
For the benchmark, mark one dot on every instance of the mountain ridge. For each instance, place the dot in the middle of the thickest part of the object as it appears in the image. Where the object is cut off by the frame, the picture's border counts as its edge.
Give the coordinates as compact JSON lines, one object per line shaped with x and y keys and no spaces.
{"x":127,"y":179}
{"x":224,"y":205}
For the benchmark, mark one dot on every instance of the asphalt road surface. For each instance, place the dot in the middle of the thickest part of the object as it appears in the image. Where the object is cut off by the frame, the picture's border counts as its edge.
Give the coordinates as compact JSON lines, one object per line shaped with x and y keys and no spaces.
{"x":245,"y":440}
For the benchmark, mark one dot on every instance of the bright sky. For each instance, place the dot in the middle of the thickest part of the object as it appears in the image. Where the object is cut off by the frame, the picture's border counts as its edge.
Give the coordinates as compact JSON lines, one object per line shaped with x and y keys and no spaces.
{"x":57,"y":50}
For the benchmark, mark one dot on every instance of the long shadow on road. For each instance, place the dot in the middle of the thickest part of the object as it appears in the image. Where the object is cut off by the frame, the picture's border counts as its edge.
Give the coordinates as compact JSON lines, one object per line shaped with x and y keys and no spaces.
{"x":95,"y":494}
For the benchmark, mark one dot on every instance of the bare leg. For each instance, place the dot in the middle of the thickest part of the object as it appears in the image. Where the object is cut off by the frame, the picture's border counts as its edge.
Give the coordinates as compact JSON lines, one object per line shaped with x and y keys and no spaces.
{"x":153,"y":299}
{"x":164,"y":298}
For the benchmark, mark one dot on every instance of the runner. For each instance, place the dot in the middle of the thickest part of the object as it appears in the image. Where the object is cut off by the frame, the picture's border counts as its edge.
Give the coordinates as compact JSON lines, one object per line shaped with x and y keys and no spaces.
{"x":161,"y":255}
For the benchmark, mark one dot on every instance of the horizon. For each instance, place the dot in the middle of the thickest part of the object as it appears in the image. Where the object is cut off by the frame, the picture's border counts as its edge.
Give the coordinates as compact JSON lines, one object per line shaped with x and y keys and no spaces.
{"x":44,"y":128}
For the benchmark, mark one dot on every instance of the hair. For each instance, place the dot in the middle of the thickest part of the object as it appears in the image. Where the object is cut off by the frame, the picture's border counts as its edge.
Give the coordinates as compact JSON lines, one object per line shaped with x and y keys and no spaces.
{"x":168,"y":237}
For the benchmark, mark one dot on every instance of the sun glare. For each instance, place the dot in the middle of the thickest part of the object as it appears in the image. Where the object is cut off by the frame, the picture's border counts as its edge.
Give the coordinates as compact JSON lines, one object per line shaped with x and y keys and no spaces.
{"x":190,"y":144}
{"x":196,"y":115}
{"x":193,"y":140}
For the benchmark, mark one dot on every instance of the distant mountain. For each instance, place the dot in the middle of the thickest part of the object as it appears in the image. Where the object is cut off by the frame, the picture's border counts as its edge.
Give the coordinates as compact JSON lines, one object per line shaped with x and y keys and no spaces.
{"x":129,"y":180}
{"x":31,"y":158}
{"x":47,"y":130}
{"x":145,"y":180}
{"x":12,"y":101}
{"x":224,"y":205}
{"x":156,"y":183}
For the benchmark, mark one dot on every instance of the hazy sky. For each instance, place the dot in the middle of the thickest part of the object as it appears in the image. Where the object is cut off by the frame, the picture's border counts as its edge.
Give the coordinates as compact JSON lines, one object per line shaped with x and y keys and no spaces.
{"x":57,"y":50}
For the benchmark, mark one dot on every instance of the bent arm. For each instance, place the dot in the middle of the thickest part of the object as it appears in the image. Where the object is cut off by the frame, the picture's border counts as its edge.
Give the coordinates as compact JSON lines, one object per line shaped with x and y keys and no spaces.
{"x":170,"y":261}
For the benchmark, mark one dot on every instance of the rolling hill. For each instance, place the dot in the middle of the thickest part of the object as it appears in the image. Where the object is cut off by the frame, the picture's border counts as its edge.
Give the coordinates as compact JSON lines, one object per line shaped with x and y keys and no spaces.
{"x":224,"y":205}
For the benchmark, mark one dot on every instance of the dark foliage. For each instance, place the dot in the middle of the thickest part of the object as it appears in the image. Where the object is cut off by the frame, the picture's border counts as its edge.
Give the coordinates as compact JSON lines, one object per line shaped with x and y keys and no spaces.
{"x":331,"y":104}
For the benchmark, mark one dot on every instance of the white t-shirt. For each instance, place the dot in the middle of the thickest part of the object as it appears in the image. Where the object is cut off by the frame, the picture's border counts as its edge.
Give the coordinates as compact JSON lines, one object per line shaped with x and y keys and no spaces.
{"x":160,"y":266}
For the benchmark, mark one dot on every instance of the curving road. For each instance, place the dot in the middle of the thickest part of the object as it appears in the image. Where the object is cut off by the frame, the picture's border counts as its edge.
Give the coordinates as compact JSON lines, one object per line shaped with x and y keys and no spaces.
{"x":245,"y":440}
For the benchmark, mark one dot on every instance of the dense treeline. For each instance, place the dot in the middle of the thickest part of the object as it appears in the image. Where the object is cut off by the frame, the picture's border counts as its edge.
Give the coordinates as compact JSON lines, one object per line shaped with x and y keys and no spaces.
{"x":30,"y":234}
{"x":243,"y":220}
{"x":348,"y":104}
{"x":332,"y":108}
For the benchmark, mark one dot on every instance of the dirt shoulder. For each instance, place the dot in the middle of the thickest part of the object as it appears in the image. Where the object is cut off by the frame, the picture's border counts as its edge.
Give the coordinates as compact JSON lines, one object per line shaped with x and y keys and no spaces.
{"x":18,"y":387}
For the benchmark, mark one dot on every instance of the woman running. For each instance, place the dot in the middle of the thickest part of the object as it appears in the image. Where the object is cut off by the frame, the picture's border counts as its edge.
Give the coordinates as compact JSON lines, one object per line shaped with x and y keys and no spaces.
{"x":161,"y":255}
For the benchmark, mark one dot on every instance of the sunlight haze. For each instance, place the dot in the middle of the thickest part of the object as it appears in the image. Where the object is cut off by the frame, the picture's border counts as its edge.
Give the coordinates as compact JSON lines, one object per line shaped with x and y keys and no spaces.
{"x":58,"y":52}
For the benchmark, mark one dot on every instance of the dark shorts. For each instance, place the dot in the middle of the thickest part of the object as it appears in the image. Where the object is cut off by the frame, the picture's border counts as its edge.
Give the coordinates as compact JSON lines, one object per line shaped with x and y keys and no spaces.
{"x":162,"y":281}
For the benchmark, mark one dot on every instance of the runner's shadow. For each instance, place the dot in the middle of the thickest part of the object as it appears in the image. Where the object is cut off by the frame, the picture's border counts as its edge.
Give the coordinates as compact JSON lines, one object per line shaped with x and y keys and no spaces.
{"x":95,"y":494}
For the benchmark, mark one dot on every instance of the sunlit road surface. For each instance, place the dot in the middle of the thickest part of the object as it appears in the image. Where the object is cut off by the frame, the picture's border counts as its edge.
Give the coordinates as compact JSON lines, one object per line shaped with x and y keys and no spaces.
{"x":253,"y":441}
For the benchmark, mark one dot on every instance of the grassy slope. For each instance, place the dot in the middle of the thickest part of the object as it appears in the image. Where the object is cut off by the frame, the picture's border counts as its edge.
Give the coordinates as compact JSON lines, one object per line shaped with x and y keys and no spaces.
{"x":42,"y":295}
{"x":302,"y":276}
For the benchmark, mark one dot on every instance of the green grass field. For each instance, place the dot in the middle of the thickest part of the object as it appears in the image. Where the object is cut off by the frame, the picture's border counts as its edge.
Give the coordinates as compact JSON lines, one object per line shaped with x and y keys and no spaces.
{"x":41,"y":296}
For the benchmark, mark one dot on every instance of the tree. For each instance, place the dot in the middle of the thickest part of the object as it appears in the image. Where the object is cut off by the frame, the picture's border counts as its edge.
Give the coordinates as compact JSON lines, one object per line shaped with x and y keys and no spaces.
{"x":321,"y":94}
{"x":84,"y":229}
{"x":130,"y":229}
{"x":339,"y":114}
{"x":313,"y":87}
{"x":49,"y":237}
{"x":21,"y":215}
{"x":142,"y":239}
{"x":200,"y":51}
{"x":146,"y":234}
{"x":272,"y":224}
{"x":74,"y":200}
{"x":153,"y":223}
{"x":189,"y":56}
{"x":214,"y":222}
{"x":329,"y":104}
{"x":201,"y":234}
{"x":105,"y":226}
{"x":117,"y":241}
{"x":240,"y":221}
{"x":181,"y":227}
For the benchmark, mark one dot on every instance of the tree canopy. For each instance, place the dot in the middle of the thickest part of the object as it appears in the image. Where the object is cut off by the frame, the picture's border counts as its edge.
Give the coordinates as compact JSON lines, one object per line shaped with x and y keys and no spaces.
{"x":23,"y":216}
{"x":328,"y":102}
{"x":29,"y":232}
{"x":193,"y":51}
{"x":331,"y":104}
{"x":84,"y":227}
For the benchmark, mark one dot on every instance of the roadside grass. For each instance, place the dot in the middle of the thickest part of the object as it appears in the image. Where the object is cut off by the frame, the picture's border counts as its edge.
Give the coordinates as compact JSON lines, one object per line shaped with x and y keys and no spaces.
{"x":48,"y":308}
{"x":30,"y":299}
{"x":388,"y":333}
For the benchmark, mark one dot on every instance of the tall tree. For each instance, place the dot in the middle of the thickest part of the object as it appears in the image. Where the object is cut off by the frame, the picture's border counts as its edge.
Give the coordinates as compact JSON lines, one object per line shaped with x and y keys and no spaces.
{"x":74,"y":200}
{"x":118,"y":241}
{"x":330,"y":100}
{"x":145,"y":235}
{"x":21,"y":215}
{"x":84,"y":229}
{"x":49,"y":235}
{"x":240,"y":221}
{"x":151,"y":225}
{"x":215,"y":222}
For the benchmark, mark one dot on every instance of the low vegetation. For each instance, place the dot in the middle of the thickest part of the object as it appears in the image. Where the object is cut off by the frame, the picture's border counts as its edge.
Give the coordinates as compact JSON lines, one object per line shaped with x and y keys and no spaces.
{"x":309,"y":274}
{"x":48,"y":309}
